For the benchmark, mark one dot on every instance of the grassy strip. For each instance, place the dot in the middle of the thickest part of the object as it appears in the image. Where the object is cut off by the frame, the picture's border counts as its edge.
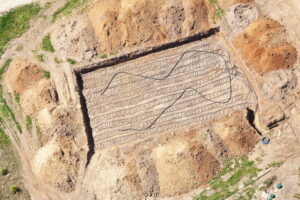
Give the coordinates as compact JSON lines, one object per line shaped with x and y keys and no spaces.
{"x":4,"y":66}
{"x":5,"y":110}
{"x":67,"y":9}
{"x":4,"y":140}
{"x":15,"y":22}
{"x":240,"y":168}
{"x":218,"y":13}
{"x":29,"y":123}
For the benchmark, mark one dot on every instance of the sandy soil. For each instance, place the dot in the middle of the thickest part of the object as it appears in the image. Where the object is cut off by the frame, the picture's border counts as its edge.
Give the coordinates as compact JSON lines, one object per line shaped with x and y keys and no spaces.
{"x":7,"y":5}
{"x":176,"y":162}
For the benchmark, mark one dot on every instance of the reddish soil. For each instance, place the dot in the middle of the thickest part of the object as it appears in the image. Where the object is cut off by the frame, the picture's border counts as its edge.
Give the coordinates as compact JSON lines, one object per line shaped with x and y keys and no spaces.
{"x":264,"y":47}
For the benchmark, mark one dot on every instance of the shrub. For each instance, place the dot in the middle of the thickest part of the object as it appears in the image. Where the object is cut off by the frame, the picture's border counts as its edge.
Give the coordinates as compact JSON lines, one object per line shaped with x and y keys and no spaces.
{"x":17,"y":98}
{"x":14,"y":189}
{"x":46,"y":44}
{"x":47,"y":74}
{"x":3,"y":171}
{"x":71,"y":61}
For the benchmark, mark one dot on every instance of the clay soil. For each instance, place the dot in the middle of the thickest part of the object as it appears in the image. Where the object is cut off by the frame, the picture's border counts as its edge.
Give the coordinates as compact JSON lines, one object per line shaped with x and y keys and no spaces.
{"x":123,"y":24}
{"x":264,"y":47}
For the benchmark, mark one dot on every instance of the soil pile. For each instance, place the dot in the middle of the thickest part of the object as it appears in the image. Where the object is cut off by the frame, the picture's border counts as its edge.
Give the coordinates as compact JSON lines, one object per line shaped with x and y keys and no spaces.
{"x":264,"y":47}
{"x":121,"y":23}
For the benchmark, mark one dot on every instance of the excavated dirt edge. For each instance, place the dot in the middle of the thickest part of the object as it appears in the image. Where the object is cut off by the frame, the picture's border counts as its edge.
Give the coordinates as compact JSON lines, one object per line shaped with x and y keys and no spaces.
{"x":80,"y":70}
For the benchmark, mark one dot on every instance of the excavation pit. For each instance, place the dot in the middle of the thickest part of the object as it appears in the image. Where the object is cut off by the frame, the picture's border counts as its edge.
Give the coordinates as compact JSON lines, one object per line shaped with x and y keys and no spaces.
{"x":182,"y":87}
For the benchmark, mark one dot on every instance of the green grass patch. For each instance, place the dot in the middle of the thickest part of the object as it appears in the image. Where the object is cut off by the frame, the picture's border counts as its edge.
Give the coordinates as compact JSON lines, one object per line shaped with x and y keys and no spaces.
{"x":71,"y":61}
{"x":6,"y":112}
{"x":17,"y":98}
{"x":14,"y":189}
{"x":267,"y":183}
{"x":15,"y":22}
{"x":38,"y":130}
{"x":47,"y":74}
{"x":57,"y":61}
{"x":4,"y":66}
{"x":46,"y":44}
{"x":102,"y":55}
{"x":297,"y":196}
{"x":239,"y":169}
{"x":3,"y":171}
{"x":41,"y":57}
{"x":48,"y":5}
{"x":28,"y":121}
{"x":218,"y":13}
{"x":67,"y":8}
{"x":275,"y":164}
{"x":4,"y":140}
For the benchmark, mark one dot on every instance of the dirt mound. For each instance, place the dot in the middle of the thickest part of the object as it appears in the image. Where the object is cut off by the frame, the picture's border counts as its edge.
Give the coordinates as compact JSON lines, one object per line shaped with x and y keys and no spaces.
{"x":264,"y":46}
{"x":21,"y":75}
{"x":172,"y":164}
{"x":61,"y":167}
{"x":186,"y":157}
{"x":26,"y":79}
{"x":44,"y":96}
{"x":122,"y":23}
{"x":236,"y":132}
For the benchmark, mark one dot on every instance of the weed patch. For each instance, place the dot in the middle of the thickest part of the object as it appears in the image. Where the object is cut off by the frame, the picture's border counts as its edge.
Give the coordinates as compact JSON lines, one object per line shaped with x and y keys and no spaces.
{"x":71,"y":61}
{"x":239,"y":169}
{"x":4,"y":66}
{"x":46,"y":44}
{"x":4,"y":140}
{"x":103,"y":56}
{"x":47,"y":74}
{"x":28,"y":123}
{"x":15,"y":22}
{"x":67,"y":9}
{"x":41,"y":57}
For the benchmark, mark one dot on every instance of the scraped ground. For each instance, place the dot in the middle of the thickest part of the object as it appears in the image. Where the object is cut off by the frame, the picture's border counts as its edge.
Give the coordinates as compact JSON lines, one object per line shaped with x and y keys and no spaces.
{"x":175,"y":162}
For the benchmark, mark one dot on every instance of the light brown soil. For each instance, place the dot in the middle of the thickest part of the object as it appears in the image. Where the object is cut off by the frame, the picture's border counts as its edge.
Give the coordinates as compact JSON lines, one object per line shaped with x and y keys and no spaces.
{"x":61,"y":169}
{"x":21,"y":75}
{"x":224,"y":4}
{"x":238,"y":135}
{"x":264,"y":47}
{"x":121,"y":23}
{"x":173,"y":164}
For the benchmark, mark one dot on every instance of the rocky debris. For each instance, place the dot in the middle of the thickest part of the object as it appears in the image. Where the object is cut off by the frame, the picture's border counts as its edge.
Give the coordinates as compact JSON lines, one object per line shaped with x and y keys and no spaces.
{"x":264,"y":47}
{"x":240,"y":16}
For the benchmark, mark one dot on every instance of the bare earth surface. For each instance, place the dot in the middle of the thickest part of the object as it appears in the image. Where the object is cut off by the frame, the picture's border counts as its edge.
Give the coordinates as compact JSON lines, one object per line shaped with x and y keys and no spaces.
{"x":159,"y":97}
